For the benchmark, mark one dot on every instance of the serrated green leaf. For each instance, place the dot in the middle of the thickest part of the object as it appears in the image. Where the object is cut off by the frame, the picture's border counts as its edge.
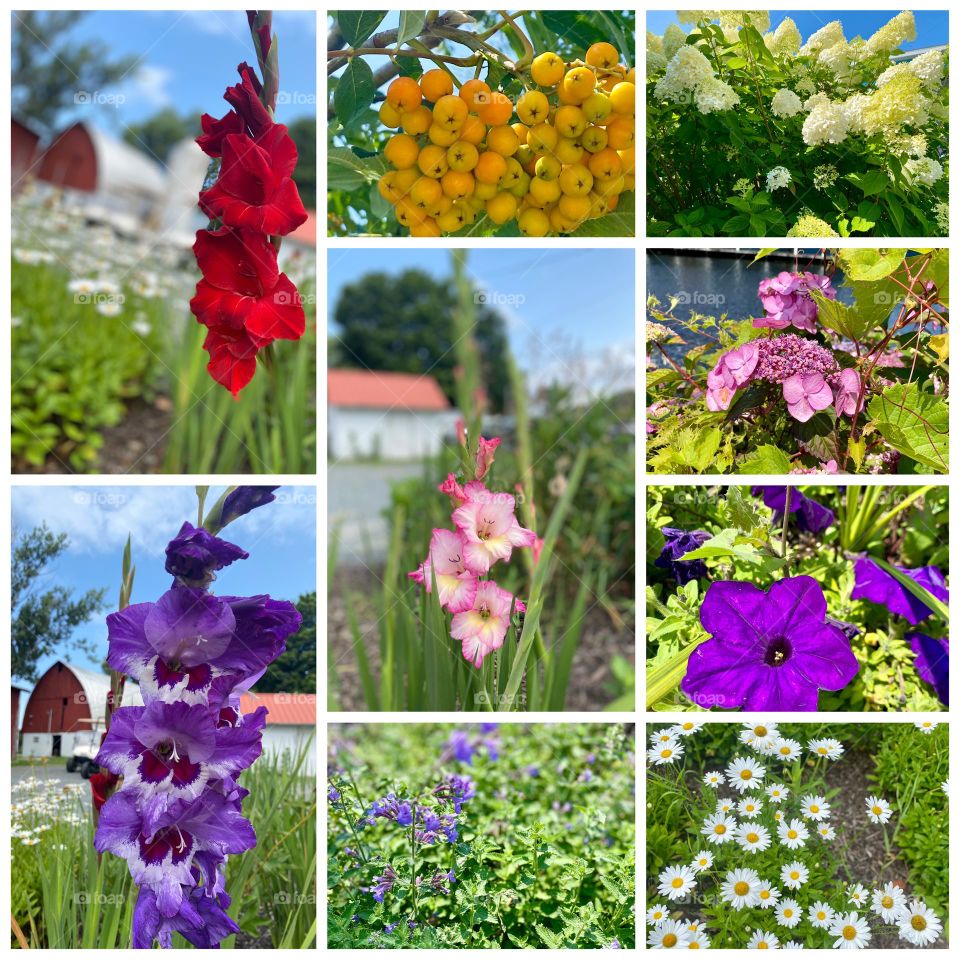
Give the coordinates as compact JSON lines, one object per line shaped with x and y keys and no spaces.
{"x":914,"y":422}
{"x":865,"y":263}
{"x":766,"y":459}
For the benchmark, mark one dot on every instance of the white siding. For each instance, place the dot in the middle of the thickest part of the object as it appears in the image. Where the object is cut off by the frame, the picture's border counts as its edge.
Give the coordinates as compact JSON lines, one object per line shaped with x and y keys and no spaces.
{"x":279,"y":738}
{"x":355,"y":433}
{"x":37,"y":745}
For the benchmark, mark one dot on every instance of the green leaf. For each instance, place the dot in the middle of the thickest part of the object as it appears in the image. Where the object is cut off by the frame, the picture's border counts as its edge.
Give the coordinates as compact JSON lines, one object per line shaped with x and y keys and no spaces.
{"x":765,"y":252}
{"x":664,"y":678}
{"x":357,"y":25}
{"x":766,"y":459}
{"x":857,"y":449}
{"x":347,"y":171}
{"x":355,"y":90}
{"x":700,"y":452}
{"x":871,"y":183}
{"x":913,"y":422}
{"x":863,"y":263}
{"x":620,"y":223}
{"x":872,"y":306}
{"x":411,"y":24}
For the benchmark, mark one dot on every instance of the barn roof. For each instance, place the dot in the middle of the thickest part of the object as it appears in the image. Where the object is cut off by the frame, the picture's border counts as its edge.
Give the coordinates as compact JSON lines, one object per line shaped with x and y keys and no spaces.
{"x":293,"y":709}
{"x":380,"y":389}
{"x":96,"y":687}
{"x":125,"y":169}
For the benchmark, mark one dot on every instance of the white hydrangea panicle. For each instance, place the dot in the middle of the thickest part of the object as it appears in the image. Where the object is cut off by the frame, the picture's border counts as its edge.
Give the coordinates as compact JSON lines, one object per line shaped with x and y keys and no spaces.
{"x":893,"y":34}
{"x":826,"y":123}
{"x":785,"y":103}
{"x":785,"y":40}
{"x":673,"y":39}
{"x":826,"y":36}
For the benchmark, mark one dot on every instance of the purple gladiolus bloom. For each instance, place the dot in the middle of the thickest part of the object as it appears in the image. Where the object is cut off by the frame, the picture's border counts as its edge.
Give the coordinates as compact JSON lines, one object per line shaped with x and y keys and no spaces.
{"x":873,"y":583}
{"x":194,"y":555}
{"x":768,"y":650}
{"x":201,"y":920}
{"x":677,"y":543}
{"x":932,"y":662}
{"x":810,"y":515}
{"x":243,"y":500}
{"x":806,"y":394}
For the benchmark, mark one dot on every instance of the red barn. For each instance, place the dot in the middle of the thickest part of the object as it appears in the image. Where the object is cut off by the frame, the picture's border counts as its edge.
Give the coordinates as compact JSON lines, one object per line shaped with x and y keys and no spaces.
{"x":23,"y":152}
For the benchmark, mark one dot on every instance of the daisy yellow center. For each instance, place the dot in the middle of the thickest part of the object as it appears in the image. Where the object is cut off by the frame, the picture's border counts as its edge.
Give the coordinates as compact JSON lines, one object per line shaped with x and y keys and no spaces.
{"x":760,"y":731}
{"x":694,"y":946}
{"x":666,"y":753}
{"x":688,"y":726}
{"x":785,"y":750}
{"x":822,"y":751}
{"x":917,"y":922}
{"x":670,"y":940}
{"x":719,"y":828}
{"x":764,"y":894}
{"x":877,"y":810}
{"x":887,"y":902}
{"x":821,"y":915}
{"x":788,"y":912}
{"x":741,"y":888}
{"x":762,"y":945}
{"x":814,"y":808}
{"x":676,"y":883}
{"x":702,"y":861}
{"x":849,"y":932}
{"x":752,"y":838}
{"x":749,"y":808}
{"x":792,"y":834}
{"x":794,"y":875}
{"x":745,"y":774}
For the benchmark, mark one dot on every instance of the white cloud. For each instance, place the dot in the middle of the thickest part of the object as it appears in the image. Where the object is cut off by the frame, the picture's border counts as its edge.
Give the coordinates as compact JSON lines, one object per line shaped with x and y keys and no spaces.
{"x":150,"y":84}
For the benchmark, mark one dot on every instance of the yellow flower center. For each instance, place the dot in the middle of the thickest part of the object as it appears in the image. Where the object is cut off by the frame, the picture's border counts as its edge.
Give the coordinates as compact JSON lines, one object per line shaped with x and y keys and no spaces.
{"x":746,"y":774}
{"x":785,"y":750}
{"x":917,"y":922}
{"x":887,"y":902}
{"x":849,"y":932}
{"x":794,"y":875}
{"x":762,"y":945}
{"x":694,"y":946}
{"x":764,"y":894}
{"x":670,"y":940}
{"x":760,"y":731}
{"x":720,"y":828}
{"x":788,"y":912}
{"x":676,"y":883}
{"x":821,"y":915}
{"x":688,"y":726}
{"x":741,"y":888}
{"x":666,"y":753}
{"x":792,"y":834}
{"x":814,"y":808}
{"x":822,"y":751}
{"x":752,"y":838}
{"x":877,"y":810}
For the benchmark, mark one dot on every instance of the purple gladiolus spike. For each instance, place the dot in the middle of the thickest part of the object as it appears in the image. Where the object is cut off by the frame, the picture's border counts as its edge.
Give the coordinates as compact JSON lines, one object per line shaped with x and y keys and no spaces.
{"x":244,"y":499}
{"x":768,"y":650}
{"x":178,"y":814}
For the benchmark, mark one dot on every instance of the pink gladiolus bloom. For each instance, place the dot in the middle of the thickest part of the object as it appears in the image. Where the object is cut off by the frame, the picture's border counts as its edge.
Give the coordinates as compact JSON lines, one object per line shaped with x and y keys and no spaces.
{"x":483,"y":627}
{"x":806,"y":393}
{"x":732,"y":371}
{"x":846,"y":399}
{"x":452,"y":489}
{"x":485,"y":453}
{"x":490,"y":529}
{"x":520,"y":606}
{"x":456,"y":586}
{"x":537,"y":549}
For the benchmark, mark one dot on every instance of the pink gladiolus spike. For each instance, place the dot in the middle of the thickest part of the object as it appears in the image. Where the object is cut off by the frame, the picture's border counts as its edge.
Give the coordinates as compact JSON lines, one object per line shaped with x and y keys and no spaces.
{"x":461,"y":433}
{"x":806,"y":393}
{"x":483,"y":627}
{"x":456,"y":586}
{"x":486,"y":450}
{"x":490,"y":530}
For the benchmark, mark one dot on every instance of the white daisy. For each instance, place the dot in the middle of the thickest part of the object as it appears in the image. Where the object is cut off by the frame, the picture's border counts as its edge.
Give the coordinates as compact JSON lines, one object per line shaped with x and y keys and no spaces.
{"x":753,"y":837}
{"x":857,"y":894}
{"x":760,"y":736}
{"x":686,"y":728}
{"x":665,"y":753}
{"x":763,"y":941}
{"x":676,"y":882}
{"x":713,"y":778}
{"x":724,"y":805}
{"x":778,"y":816}
{"x":887,"y":902}
{"x":793,"y":834}
{"x":719,"y":828}
{"x":926,"y":726}
{"x":748,"y":807}
{"x":698,"y":941}
{"x":740,"y":888}
{"x":743,"y":774}
{"x":918,"y":924}
{"x":878,"y":810}
{"x":814,"y":808}
{"x":788,"y":913}
{"x":671,"y":934}
{"x":827,"y":748}
{"x":851,"y":931}
{"x":702,"y":861}
{"x":826,"y":832}
{"x":767,"y":895}
{"x":657,"y":914}
{"x":791,"y":945}
{"x":777,"y":792}
{"x":786,"y":749}
{"x":821,"y":914}
{"x":945,"y":786}
{"x":662,"y":736}
{"x":794,"y":875}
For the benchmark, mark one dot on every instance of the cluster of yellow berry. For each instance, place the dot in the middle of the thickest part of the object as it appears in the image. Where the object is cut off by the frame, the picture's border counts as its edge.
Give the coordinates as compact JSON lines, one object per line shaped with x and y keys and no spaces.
{"x":566,"y":159}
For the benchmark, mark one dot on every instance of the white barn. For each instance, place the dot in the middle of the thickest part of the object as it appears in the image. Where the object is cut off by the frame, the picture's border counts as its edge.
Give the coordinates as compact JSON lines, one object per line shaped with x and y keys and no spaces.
{"x":374,"y":414}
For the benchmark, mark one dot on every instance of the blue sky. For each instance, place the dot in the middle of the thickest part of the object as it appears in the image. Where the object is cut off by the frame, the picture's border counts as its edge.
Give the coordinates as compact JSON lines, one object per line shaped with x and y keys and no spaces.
{"x":931,"y":24}
{"x":186,"y":59}
{"x":575,"y":295}
{"x":280,"y":538}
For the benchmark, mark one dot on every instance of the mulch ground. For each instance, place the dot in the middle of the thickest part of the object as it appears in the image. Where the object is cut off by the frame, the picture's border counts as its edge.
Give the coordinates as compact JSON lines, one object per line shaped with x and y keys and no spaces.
{"x":591,"y":686}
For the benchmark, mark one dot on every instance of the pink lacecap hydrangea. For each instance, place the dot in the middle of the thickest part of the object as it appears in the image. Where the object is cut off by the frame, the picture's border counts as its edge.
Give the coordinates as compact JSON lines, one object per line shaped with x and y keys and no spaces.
{"x":806,"y":394}
{"x":786,"y":299}
{"x":847,"y":395}
{"x":732,"y":371}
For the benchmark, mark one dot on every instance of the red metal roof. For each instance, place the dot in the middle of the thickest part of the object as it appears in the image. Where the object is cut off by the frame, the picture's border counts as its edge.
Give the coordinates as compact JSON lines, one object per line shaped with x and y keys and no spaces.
{"x":298,"y":709}
{"x":383,"y":390}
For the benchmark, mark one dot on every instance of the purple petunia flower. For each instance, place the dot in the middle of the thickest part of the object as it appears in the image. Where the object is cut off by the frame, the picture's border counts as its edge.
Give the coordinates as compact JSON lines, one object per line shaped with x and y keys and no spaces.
{"x":873,"y":583}
{"x":768,"y":650}
{"x":811,"y":516}
{"x":677,"y":543}
{"x":194,"y":555}
{"x":932,"y":662}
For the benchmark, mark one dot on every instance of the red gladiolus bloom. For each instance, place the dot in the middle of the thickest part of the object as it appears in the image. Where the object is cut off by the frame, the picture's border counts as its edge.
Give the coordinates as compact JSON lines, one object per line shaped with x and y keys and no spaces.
{"x":254,"y":188}
{"x":101,"y":786}
{"x":233,"y":357}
